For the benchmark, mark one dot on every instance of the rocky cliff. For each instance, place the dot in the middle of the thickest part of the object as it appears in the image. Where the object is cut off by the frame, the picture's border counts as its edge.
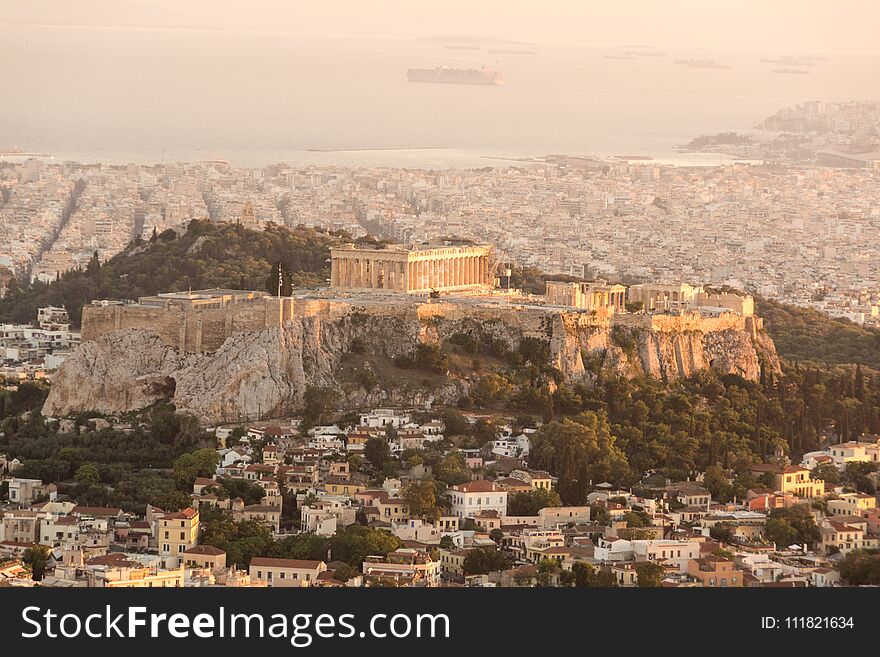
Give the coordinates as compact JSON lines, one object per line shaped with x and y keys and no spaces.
{"x":264,"y":373}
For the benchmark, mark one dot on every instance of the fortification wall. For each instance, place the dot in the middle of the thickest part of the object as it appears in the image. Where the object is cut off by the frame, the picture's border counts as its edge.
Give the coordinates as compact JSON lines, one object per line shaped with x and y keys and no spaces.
{"x":197,"y":330}
{"x":187,"y":330}
{"x":680,"y":323}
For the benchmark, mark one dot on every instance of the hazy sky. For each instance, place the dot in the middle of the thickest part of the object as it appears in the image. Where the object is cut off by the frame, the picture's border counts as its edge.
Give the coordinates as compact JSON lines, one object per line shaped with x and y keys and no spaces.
{"x":779,"y":24}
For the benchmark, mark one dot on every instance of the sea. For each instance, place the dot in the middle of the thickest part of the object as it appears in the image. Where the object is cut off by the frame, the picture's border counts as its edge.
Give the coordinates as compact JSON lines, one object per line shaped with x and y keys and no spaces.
{"x":122,"y":95}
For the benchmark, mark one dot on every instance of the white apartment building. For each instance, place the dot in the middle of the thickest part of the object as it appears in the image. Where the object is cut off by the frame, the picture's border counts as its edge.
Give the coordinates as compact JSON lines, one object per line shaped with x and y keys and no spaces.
{"x":471,"y":498}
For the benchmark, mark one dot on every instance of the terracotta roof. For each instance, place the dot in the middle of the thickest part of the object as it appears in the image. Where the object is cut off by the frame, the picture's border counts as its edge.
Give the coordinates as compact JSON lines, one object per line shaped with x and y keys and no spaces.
{"x":183,"y":514}
{"x":96,"y":510}
{"x":111,"y":559}
{"x":208,"y":550}
{"x":477,"y":486}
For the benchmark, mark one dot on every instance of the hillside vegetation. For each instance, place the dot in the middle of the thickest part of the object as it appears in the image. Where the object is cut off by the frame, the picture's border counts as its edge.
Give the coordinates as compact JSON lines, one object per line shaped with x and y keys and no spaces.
{"x":207,"y":255}
{"x":804,"y":334}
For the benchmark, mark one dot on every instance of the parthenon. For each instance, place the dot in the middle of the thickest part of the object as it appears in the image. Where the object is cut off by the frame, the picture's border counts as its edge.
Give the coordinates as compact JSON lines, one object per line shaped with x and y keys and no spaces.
{"x":411,"y":268}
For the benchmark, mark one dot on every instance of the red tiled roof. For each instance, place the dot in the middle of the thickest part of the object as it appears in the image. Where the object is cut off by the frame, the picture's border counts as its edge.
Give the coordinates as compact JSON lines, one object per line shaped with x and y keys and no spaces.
{"x":184,"y":514}
{"x":477,"y":486}
{"x":96,"y":510}
{"x":208,"y":550}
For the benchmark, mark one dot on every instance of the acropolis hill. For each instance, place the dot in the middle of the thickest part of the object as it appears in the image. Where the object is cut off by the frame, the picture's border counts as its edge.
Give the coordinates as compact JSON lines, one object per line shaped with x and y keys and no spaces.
{"x":226,"y":355}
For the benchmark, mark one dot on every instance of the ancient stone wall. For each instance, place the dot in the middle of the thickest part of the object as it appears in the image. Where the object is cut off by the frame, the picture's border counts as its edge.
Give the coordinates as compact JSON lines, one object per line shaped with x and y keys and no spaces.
{"x":199,"y":331}
{"x":188,"y":330}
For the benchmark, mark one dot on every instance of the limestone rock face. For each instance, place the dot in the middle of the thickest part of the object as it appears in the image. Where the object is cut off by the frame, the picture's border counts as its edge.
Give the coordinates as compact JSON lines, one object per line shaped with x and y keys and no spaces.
{"x":116,"y":373}
{"x":265,"y":373}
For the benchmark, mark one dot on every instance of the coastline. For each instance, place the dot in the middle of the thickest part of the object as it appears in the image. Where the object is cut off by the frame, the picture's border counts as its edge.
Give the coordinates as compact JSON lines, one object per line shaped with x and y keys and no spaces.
{"x":414,"y":157}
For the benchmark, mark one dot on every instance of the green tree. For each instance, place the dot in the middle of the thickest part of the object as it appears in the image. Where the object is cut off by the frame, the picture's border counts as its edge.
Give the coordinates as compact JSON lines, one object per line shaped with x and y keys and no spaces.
{"x":484,"y":560}
{"x":454,"y":423}
{"x":451,"y":468}
{"x":36,"y":558}
{"x":279,"y":271}
{"x":357,"y":542}
{"x":861,"y":568}
{"x":87,"y":474}
{"x":421,"y":498}
{"x":318,"y":402}
{"x":581,"y":452}
{"x":528,"y":503}
{"x":827,"y":472}
{"x":792,"y":525}
{"x":635,"y":520}
{"x":242,"y":540}
{"x":722,"y":533}
{"x":189,"y":466}
{"x":584,"y":575}
{"x":377,"y":452}
{"x":649,"y":574}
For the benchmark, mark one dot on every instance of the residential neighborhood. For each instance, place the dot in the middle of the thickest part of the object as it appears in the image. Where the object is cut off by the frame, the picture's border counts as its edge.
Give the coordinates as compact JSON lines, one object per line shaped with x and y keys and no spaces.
{"x":390,"y":497}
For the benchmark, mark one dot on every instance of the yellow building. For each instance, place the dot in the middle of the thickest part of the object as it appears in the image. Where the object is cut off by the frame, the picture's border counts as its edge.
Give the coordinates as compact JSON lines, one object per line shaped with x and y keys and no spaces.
{"x":713,"y":571}
{"x":178,"y":532}
{"x":286,"y":572}
{"x":140,"y":578}
{"x":205,"y":556}
{"x":340,"y":486}
{"x":796,"y":480}
{"x":851,"y":504}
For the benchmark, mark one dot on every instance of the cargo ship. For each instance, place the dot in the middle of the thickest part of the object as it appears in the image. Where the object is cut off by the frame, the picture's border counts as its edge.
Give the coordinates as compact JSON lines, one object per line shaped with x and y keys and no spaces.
{"x":446,"y":75}
{"x":511,"y":51}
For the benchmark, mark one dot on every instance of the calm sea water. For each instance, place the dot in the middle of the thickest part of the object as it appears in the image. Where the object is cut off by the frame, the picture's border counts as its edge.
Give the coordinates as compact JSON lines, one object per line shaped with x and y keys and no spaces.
{"x":125,"y":95}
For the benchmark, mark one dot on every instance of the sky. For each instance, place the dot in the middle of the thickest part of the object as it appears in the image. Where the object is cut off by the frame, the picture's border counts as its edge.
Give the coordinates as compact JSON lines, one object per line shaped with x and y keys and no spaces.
{"x":786,"y":25}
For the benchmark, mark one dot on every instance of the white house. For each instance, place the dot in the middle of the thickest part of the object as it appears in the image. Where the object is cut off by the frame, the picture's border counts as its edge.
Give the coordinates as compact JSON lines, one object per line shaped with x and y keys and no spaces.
{"x":473,"y":497}
{"x":676,"y":553}
{"x":380,"y":418}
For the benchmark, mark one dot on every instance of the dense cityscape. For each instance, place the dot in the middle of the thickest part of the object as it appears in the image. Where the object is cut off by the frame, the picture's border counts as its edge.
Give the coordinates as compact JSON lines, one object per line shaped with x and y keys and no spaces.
{"x":788,"y":231}
{"x":552,"y":371}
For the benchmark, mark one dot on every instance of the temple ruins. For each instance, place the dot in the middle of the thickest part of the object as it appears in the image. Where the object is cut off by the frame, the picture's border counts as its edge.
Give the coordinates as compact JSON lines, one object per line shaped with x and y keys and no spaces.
{"x":412,"y":268}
